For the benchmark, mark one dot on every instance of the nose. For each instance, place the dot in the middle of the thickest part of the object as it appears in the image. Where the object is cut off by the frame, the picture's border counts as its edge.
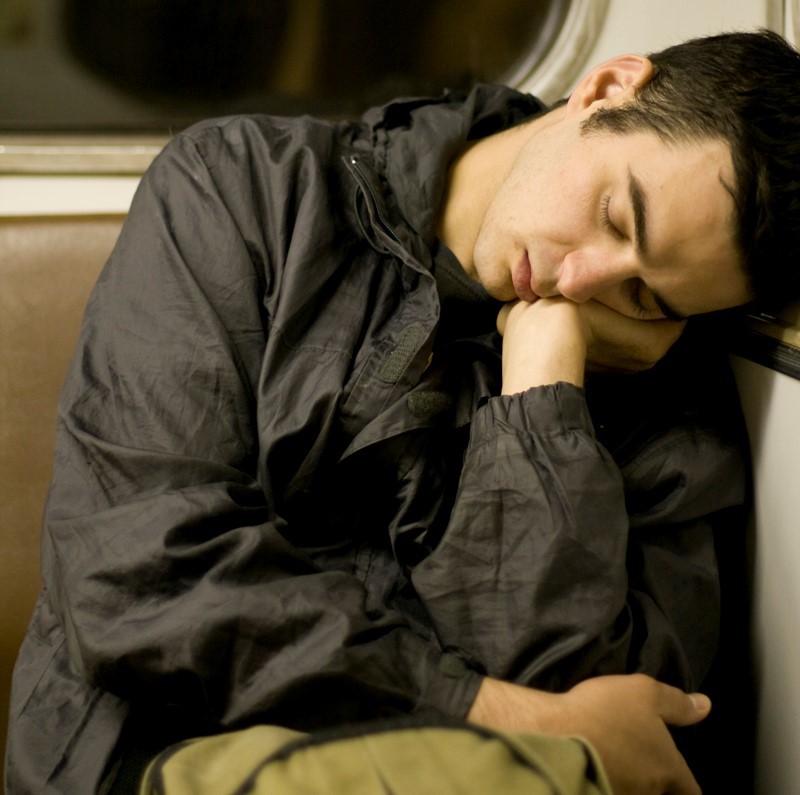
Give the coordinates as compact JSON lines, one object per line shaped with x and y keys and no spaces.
{"x":584,"y":274}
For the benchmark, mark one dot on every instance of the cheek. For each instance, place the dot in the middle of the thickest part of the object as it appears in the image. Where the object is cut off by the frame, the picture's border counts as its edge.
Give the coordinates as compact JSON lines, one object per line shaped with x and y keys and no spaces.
{"x":519,"y":204}
{"x":532,"y":190}
{"x":571,"y":205}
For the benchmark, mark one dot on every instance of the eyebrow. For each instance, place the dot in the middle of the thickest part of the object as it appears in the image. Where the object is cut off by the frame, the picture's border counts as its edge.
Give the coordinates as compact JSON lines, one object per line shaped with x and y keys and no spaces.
{"x":639,"y":204}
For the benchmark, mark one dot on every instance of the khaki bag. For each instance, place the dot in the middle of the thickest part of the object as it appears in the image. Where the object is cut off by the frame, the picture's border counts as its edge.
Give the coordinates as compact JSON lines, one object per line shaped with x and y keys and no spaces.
{"x":408,"y":760}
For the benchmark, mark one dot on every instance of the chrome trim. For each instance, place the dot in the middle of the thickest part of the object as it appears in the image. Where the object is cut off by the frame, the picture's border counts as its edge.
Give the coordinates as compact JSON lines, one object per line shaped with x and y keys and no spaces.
{"x":78,"y":154}
{"x":782,"y":325}
{"x":552,"y":78}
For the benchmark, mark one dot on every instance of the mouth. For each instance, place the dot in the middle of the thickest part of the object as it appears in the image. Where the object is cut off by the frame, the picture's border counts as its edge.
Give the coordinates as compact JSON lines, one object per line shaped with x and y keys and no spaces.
{"x":521,"y":276}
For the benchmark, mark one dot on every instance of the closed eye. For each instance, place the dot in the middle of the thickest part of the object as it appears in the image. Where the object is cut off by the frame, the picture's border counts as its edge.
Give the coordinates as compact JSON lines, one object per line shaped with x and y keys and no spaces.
{"x":635,"y":294}
{"x":606,"y":218}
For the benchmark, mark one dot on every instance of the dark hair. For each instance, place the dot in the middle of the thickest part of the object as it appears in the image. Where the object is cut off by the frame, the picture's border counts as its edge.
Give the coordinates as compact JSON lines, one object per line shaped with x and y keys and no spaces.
{"x":743,"y":88}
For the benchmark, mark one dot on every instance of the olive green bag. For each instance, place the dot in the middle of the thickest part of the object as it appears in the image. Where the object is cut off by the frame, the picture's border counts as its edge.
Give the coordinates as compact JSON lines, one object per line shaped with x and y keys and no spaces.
{"x":408,"y":760}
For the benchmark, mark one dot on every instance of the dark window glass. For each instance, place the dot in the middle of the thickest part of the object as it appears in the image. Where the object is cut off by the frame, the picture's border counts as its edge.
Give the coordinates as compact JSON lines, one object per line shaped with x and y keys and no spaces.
{"x":158,"y":65}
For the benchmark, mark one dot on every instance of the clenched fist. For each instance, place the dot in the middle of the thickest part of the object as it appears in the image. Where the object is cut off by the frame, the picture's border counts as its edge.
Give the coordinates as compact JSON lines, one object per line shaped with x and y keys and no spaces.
{"x":555,"y":339}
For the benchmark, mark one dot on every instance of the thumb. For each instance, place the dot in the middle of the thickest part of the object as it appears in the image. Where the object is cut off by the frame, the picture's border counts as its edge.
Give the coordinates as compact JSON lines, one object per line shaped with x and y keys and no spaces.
{"x":502,"y":317}
{"x":683,"y":709}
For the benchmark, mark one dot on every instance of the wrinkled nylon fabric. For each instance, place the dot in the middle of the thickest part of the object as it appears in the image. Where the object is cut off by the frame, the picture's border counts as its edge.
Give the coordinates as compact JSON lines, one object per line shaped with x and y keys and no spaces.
{"x":252,"y":520}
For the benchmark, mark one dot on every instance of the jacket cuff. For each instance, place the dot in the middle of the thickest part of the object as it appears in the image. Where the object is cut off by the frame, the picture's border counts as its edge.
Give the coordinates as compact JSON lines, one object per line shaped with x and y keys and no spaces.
{"x":449,"y":687}
{"x":552,"y":408}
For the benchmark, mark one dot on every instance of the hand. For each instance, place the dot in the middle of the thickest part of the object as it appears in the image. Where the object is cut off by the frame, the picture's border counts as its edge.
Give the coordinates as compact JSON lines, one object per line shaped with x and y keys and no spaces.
{"x":618,"y":343}
{"x":554,"y":339}
{"x":625,"y":718}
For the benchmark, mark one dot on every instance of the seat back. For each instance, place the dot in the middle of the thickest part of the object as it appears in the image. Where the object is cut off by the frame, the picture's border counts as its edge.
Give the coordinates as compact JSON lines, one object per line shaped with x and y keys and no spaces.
{"x":47,"y":268}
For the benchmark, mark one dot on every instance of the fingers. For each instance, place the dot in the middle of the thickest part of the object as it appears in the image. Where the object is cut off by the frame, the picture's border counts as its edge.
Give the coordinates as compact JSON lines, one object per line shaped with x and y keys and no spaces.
{"x":623,"y":344}
{"x":502,"y":317}
{"x":670,"y":773}
{"x":682,"y":709}
{"x":685,"y":783}
{"x":681,"y":780}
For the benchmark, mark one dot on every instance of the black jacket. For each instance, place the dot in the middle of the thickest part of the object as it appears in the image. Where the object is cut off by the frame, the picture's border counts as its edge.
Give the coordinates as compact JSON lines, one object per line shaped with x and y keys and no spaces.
{"x":277,"y":498}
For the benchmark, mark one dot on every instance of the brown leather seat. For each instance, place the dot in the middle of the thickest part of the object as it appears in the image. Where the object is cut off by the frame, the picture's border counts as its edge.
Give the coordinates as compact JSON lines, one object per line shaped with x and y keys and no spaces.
{"x":47,"y":268}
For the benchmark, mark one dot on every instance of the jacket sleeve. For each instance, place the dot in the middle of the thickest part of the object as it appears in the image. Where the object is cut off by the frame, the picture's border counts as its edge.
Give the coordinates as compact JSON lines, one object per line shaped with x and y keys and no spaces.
{"x":163,"y":556}
{"x":543,"y":578}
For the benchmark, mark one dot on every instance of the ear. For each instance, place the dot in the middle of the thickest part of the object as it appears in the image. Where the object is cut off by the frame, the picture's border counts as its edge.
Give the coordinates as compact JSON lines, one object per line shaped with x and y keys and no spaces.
{"x":616,"y":80}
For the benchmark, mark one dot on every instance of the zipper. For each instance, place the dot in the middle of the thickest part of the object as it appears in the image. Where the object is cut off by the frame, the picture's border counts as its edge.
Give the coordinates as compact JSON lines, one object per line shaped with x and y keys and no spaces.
{"x":375,"y":203}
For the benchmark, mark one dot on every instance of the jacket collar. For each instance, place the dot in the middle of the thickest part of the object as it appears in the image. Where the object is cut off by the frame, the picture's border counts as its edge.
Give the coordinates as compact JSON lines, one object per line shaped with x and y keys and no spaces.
{"x":416,"y":140}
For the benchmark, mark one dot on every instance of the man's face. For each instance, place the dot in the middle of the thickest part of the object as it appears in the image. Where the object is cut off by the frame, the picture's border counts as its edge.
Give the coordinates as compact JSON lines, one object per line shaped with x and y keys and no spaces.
{"x":640,"y":226}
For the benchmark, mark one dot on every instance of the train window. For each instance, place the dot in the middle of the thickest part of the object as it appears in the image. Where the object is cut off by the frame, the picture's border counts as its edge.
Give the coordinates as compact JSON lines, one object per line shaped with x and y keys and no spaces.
{"x":98,"y":86}
{"x":122,"y":65}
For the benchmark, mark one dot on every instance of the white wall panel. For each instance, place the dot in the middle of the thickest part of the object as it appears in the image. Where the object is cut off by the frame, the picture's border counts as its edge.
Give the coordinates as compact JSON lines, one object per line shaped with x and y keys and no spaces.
{"x":647,"y":25}
{"x":68,"y":195}
{"x":771,"y":403}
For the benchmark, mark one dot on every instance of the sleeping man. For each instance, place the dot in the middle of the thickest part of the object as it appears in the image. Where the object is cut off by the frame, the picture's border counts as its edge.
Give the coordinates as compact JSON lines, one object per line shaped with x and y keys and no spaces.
{"x":411,"y":416}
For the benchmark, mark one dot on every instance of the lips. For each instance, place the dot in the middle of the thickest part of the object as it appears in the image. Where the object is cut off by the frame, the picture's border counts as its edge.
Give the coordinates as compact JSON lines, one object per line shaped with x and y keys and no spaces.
{"x":521,"y":276}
